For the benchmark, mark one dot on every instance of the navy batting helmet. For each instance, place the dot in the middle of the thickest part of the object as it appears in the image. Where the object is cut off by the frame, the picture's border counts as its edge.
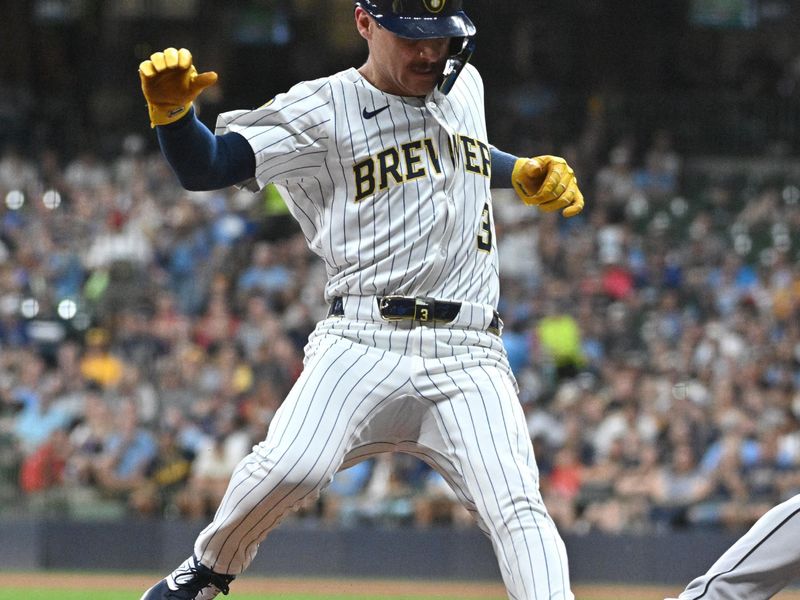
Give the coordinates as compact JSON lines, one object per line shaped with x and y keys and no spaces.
{"x":421,"y":19}
{"x":428,"y":19}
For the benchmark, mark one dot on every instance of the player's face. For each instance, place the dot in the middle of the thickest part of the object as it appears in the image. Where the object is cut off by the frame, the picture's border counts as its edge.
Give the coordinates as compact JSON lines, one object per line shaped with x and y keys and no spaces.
{"x":409,"y":67}
{"x":401,"y":66}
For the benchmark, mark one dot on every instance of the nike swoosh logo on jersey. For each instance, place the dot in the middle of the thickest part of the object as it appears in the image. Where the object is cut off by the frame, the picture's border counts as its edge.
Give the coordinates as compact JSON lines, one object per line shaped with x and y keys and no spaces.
{"x":369,"y":114}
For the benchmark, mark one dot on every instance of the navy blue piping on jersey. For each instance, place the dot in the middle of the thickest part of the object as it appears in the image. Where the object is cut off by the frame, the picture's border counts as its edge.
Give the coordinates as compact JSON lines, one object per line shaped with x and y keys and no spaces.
{"x":202,"y":160}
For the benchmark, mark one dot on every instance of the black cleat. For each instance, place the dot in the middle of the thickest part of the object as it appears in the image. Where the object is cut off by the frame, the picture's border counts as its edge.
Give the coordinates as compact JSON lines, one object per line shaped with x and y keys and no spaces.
{"x":190,"y":581}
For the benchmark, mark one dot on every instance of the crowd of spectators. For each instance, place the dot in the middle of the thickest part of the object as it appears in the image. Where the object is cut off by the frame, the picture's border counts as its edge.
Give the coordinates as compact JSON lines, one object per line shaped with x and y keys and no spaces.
{"x":149,"y":334}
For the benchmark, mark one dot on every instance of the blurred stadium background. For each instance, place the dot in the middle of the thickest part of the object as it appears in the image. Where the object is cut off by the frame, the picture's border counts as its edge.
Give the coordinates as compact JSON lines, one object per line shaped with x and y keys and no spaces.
{"x":147,"y":334}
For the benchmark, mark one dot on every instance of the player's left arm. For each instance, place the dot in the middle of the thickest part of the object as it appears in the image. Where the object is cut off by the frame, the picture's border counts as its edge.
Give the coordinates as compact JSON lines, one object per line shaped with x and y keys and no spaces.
{"x":544,"y":181}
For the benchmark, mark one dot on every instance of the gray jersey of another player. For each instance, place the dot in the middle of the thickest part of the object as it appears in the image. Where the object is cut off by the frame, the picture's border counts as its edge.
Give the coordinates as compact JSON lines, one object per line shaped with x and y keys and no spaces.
{"x":391,"y":192}
{"x":760,"y":564}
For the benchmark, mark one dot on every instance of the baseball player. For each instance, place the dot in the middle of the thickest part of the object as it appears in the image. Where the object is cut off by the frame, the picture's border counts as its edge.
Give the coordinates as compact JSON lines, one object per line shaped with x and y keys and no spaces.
{"x":387,"y":169}
{"x":760,"y":564}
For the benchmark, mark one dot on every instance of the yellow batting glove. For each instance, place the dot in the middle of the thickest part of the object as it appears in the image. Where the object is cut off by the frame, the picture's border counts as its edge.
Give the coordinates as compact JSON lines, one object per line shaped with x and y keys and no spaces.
{"x":549,"y":183}
{"x":170,"y":84}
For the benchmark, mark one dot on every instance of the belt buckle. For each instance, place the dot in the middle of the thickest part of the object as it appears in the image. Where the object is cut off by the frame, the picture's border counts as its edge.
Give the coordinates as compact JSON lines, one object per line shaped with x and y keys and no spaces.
{"x":498,"y":328}
{"x":384,"y":302}
{"x":424,"y":309}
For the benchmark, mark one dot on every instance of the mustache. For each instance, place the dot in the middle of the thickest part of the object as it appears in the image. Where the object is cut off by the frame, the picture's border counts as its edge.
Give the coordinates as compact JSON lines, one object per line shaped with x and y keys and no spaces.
{"x":435,"y":66}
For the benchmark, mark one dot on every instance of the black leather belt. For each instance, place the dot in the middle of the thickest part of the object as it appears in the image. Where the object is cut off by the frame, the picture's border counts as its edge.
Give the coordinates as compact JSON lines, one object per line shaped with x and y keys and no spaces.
{"x":423,"y":310}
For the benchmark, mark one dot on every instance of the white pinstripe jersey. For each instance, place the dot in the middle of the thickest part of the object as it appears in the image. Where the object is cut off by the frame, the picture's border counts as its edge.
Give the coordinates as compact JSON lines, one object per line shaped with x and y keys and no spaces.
{"x":392,"y":192}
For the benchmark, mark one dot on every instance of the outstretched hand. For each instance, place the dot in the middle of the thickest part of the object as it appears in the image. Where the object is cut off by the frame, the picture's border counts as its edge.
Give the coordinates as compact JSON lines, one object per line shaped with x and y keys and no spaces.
{"x":549,"y":183}
{"x":170,"y":84}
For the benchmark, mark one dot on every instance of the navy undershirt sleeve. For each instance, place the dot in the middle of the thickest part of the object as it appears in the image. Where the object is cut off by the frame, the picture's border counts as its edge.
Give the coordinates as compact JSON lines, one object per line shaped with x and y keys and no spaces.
{"x":502,"y":167}
{"x":202,"y":160}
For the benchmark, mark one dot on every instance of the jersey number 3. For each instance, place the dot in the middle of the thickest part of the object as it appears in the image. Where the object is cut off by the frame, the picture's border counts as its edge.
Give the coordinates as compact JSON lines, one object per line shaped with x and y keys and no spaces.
{"x":485,"y":234}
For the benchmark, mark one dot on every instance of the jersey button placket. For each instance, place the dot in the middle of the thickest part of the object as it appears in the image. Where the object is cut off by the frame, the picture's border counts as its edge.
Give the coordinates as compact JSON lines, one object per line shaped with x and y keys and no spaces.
{"x":447,"y":192}
{"x":444,"y":195}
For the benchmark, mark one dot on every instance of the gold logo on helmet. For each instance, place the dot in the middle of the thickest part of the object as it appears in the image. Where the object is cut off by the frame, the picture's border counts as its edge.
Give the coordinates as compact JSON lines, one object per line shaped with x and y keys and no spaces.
{"x":434,"y":6}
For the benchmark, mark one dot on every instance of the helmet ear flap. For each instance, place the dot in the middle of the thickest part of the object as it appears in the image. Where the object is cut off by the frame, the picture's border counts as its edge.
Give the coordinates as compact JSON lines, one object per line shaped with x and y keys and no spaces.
{"x":456,"y":63}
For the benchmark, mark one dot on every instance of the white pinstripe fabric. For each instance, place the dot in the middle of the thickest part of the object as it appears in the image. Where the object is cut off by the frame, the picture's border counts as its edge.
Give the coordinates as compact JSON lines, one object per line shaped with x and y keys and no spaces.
{"x":413,"y":239}
{"x":446,"y":393}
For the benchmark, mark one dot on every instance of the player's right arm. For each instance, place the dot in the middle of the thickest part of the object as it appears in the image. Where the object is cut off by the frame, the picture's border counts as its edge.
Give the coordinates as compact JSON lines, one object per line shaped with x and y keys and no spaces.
{"x":201,"y":160}
{"x":170,"y":83}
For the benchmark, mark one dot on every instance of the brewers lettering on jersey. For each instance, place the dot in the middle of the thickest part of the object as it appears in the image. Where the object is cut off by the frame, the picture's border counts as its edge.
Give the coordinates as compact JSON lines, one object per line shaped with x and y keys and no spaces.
{"x":409,"y":217}
{"x":404,"y":164}
{"x":387,"y":169}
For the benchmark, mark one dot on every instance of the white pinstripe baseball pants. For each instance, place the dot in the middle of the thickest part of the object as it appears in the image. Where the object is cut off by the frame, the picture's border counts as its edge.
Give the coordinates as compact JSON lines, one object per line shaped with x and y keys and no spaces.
{"x":445,"y":395}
